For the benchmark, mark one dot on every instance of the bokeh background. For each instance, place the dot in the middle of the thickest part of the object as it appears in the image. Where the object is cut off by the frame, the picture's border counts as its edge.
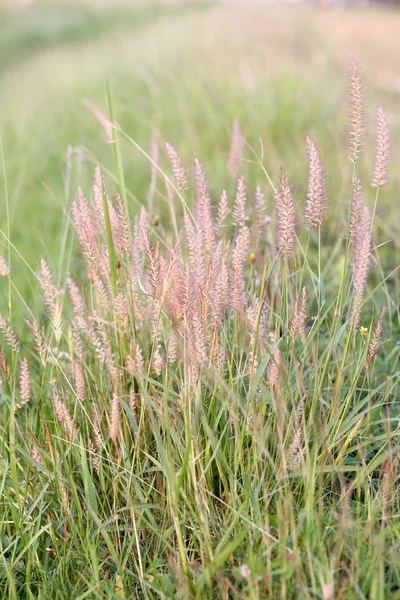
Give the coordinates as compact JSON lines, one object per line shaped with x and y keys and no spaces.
{"x":183,"y":72}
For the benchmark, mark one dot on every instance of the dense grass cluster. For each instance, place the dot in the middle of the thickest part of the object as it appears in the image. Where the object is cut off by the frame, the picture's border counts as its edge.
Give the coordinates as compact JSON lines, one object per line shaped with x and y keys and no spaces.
{"x":201,"y":410}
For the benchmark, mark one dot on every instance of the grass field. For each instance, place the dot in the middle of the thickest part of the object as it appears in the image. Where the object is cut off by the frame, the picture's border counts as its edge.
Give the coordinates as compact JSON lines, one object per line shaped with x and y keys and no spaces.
{"x":184,"y":421}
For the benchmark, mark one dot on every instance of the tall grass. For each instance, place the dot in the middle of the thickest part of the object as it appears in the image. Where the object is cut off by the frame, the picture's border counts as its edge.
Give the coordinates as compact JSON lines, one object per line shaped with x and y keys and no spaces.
{"x":202,"y":410}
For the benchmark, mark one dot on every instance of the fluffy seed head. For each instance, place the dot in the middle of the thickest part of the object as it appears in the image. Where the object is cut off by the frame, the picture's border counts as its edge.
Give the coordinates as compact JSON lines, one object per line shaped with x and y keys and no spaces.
{"x":115,"y":418}
{"x":356,"y":207}
{"x":382,"y":149}
{"x":362,"y":256}
{"x":4,"y":268}
{"x":299,"y":321}
{"x":62,"y":413}
{"x":316,"y":195}
{"x":204,"y":216}
{"x":49,"y":290}
{"x":286,"y":216}
{"x":357,"y":111}
{"x":376,"y":338}
{"x":9,"y":335}
{"x":239,"y":209}
{"x":25,"y":382}
{"x":223,"y":211}
{"x":177,"y":168}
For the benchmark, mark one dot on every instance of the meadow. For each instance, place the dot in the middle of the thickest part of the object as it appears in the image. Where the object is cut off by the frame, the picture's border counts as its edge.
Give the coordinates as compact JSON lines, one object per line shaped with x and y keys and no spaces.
{"x":199,"y":301}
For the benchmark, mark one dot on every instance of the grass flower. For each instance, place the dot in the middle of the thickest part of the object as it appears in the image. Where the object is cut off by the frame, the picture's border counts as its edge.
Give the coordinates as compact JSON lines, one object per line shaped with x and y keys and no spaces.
{"x":316,"y":196}
{"x":357,"y":111}
{"x":382,"y":150}
{"x":285,"y":216}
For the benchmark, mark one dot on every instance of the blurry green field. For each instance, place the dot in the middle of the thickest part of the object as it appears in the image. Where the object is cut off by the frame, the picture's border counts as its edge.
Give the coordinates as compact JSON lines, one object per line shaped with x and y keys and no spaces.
{"x":181,"y":74}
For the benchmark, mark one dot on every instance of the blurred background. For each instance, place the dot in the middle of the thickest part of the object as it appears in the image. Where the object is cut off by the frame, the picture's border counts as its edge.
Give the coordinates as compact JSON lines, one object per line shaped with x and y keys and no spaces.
{"x":184,"y":71}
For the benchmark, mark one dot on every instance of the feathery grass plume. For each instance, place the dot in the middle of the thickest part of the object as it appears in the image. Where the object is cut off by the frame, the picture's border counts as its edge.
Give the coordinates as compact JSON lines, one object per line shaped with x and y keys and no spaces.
{"x":261,"y":219}
{"x":177,"y":169}
{"x":39,"y":339}
{"x":204,"y":216}
{"x":117,"y":229}
{"x":103,"y":346}
{"x":239,"y":256}
{"x":4,"y":268}
{"x":76,"y":342}
{"x":172,"y":351}
{"x":133,"y":401}
{"x":115,"y":418}
{"x":79,"y":382}
{"x":253,"y":358}
{"x":299,"y":321}
{"x":196,"y":256}
{"x":49,"y":290}
{"x":96,"y":422}
{"x":76,"y":298}
{"x":3,"y":364}
{"x":87,"y":230}
{"x":124,"y":225}
{"x":102,"y":290}
{"x":9,"y":335}
{"x":296,"y":450}
{"x":252,"y":312}
{"x":316,"y":195}
{"x":357,"y":112}
{"x":274,"y":363}
{"x":356,"y":207}
{"x":223,"y":211}
{"x":239,"y":207}
{"x":197,"y":336}
{"x":382,"y":149}
{"x":216,"y":296}
{"x":376,"y":338}
{"x":100,"y":345}
{"x":362,"y":256}
{"x":121,"y":310}
{"x":134,"y":360}
{"x":62,"y":413}
{"x":24,"y":383}
{"x":286,"y":216}
{"x":154,"y":268}
{"x":158,"y":361}
{"x":236,"y":149}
